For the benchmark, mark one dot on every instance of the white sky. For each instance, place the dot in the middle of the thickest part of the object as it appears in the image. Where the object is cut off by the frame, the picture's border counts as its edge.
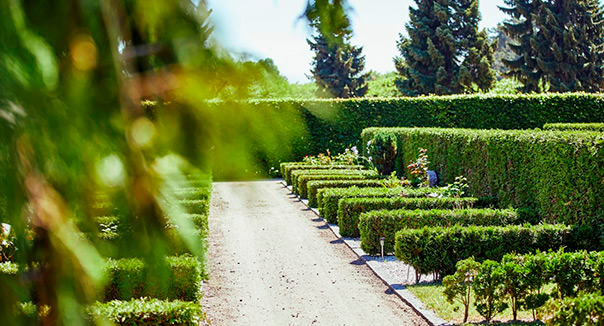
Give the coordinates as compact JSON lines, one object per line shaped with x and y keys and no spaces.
{"x":271,"y":29}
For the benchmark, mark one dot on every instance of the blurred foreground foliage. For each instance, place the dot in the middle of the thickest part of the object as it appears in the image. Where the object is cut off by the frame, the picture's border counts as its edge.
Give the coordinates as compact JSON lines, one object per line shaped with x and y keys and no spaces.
{"x":79,"y":135}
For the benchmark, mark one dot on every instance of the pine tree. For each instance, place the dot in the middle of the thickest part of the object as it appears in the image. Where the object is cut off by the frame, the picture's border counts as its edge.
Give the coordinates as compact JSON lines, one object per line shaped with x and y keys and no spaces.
{"x":337,"y":66}
{"x":570,"y":44}
{"x":444,"y":53}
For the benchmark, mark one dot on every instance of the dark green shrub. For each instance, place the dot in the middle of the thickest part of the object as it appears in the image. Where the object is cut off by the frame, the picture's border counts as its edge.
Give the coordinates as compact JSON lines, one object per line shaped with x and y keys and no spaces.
{"x":558,"y":173}
{"x":437,"y":249}
{"x":349,"y":209}
{"x":585,"y":309}
{"x":329,"y":198}
{"x":314,"y":186}
{"x":385,"y":223}
{"x":132,"y":278}
{"x":575,"y":126}
{"x":303,"y":180}
{"x":489,"y":290}
{"x":381,"y":150}
{"x":288,"y":168}
{"x":146,"y":312}
{"x":295,"y":175}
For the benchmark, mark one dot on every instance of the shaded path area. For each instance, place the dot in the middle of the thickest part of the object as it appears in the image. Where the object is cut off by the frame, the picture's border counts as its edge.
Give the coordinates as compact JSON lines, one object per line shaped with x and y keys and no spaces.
{"x":273,"y":262}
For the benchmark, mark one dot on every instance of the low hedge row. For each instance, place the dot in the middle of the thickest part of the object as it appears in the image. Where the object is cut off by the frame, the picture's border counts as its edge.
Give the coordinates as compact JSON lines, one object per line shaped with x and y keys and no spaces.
{"x":559,"y":173}
{"x":288,"y":168}
{"x":295,"y":175}
{"x":195,"y":206}
{"x":328,"y":199}
{"x":585,"y":309}
{"x":303,"y":180}
{"x":314,"y":186}
{"x":132,"y":278}
{"x":575,"y":126}
{"x":349,"y":209}
{"x":385,"y":223}
{"x":145,"y":312}
{"x":438,"y":249}
{"x":193,"y":193}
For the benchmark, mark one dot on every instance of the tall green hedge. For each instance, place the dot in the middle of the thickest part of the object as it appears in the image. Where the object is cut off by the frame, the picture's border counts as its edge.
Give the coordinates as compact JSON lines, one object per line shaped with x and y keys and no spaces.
{"x":575,"y":126}
{"x":559,"y":173}
{"x":349,"y":209}
{"x":335,"y":124}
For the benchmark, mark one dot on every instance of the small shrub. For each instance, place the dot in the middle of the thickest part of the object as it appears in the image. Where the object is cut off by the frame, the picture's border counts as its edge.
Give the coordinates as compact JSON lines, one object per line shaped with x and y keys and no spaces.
{"x":489,"y":290}
{"x":585,"y":309}
{"x":146,"y":312}
{"x":458,"y":286}
{"x":381,"y":151}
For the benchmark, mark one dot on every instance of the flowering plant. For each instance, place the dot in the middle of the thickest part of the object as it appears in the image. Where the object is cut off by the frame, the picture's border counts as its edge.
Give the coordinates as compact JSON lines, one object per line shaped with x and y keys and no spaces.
{"x":7,"y":245}
{"x":393,"y":181}
{"x":419,"y":169}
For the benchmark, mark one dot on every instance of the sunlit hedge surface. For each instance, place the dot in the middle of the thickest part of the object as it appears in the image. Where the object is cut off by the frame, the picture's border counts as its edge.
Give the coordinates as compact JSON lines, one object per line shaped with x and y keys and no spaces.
{"x":558,"y":172}
{"x":146,"y":312}
{"x":336,"y":124}
{"x":575,"y":126}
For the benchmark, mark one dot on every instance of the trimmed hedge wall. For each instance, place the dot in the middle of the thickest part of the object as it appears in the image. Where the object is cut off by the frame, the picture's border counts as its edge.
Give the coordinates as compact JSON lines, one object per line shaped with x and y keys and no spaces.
{"x":303,"y":181}
{"x":289,"y":167}
{"x":329,"y":198}
{"x":201,"y":206}
{"x":385,"y":223}
{"x":336,"y":124}
{"x":559,"y":173}
{"x":349,"y":209}
{"x":314,"y":186}
{"x":295,"y":175}
{"x":132,"y":278}
{"x":438,"y":249}
{"x":145,"y":312}
{"x":575,"y":126}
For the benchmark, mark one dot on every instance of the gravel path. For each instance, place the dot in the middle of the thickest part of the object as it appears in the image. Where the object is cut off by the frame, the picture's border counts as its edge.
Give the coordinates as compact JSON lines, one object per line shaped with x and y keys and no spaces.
{"x":273,"y":262}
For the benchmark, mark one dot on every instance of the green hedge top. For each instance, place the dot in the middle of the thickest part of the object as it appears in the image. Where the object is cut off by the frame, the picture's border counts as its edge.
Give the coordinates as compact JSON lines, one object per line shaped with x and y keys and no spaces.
{"x":145,"y":312}
{"x":289,"y":168}
{"x":438,"y":249}
{"x":303,"y":180}
{"x":559,"y":173}
{"x":296,"y":174}
{"x":336,"y":124}
{"x":328,"y":198}
{"x":575,"y":126}
{"x":385,"y":223}
{"x":314,"y":186}
{"x":349,"y":209}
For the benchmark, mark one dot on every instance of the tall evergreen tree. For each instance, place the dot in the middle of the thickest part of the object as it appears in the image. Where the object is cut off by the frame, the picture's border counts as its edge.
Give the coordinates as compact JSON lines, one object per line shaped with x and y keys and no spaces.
{"x":337,"y":66}
{"x":559,"y":43}
{"x":444,"y":52}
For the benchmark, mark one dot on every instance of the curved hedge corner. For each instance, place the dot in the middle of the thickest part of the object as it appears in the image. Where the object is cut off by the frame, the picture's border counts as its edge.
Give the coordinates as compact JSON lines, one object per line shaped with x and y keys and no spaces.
{"x":329,"y":198}
{"x":295,"y":175}
{"x":558,"y":173}
{"x":314,"y":186}
{"x":145,"y":312}
{"x":575,"y":126}
{"x":385,"y":223}
{"x":438,"y":249}
{"x":349,"y":209}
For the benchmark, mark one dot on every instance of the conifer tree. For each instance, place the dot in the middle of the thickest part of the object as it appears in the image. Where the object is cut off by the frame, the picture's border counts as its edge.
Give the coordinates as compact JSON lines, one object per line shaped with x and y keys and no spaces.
{"x":337,"y":66}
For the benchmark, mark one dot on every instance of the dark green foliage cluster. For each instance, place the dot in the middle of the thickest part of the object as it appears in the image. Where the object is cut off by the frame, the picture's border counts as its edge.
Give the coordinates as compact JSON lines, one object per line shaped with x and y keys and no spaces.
{"x":349,"y":209}
{"x":558,"y":44}
{"x":337,"y":124}
{"x":444,"y":52}
{"x":381,"y":150}
{"x":521,"y":282}
{"x":385,"y":223}
{"x":575,"y":126}
{"x":132,"y":278}
{"x":297,"y":175}
{"x":287,"y":168}
{"x":437,"y":249}
{"x":314,"y":186}
{"x":195,"y":206}
{"x":558,"y":173}
{"x":146,"y":312}
{"x":328,"y":199}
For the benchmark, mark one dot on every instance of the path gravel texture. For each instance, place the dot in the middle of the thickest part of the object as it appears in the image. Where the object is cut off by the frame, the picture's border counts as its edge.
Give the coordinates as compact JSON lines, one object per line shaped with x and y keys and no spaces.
{"x":272,"y":261}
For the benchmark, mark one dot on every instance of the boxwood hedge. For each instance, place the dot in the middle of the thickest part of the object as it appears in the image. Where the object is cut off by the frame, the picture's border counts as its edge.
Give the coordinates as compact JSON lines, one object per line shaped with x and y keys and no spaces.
{"x":438,"y":249}
{"x":314,"y":186}
{"x":349,"y":209}
{"x":295,"y":175}
{"x":585,"y":309}
{"x":132,"y":278}
{"x":575,"y":126}
{"x":328,"y":198}
{"x":288,"y":168}
{"x":303,"y":180}
{"x":145,"y":312}
{"x":385,"y":223}
{"x":559,"y":173}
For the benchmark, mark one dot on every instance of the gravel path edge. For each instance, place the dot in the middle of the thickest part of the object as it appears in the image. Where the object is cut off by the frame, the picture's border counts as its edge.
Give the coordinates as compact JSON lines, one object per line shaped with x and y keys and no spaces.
{"x":400,"y":290}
